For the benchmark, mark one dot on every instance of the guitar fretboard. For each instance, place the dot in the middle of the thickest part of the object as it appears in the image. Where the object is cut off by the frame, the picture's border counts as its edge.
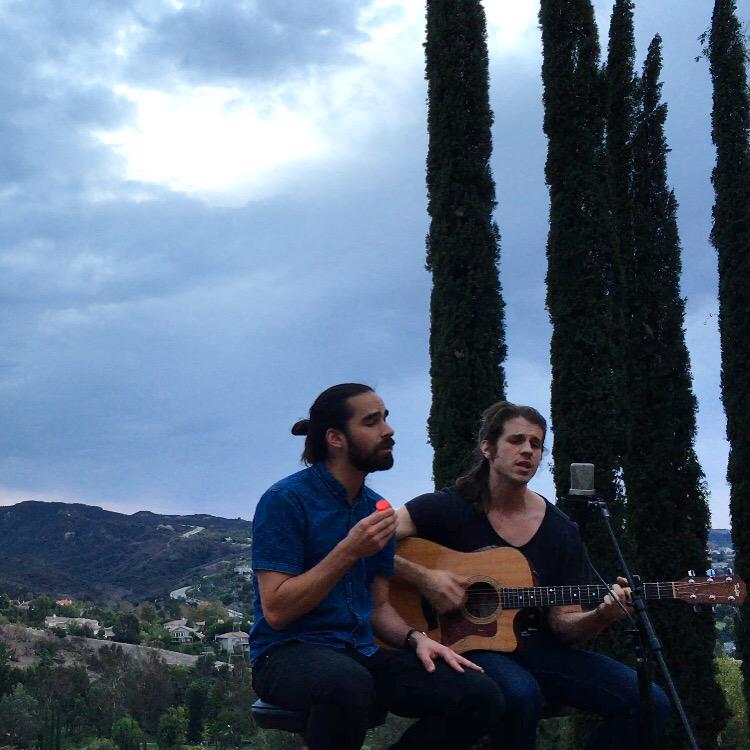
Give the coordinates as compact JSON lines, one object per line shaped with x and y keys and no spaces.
{"x":543,"y":596}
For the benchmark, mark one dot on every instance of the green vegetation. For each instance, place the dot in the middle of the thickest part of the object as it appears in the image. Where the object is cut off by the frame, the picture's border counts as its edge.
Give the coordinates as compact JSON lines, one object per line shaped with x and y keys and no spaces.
{"x":618,"y":323}
{"x":467,"y":340}
{"x":127,"y":629}
{"x":91,"y":553}
{"x":61,"y":702}
{"x":19,"y":716}
{"x":734,"y":736}
{"x":620,"y":112}
{"x":665,"y":485}
{"x":172,"y":731}
{"x":225,"y":586}
{"x":730,"y":121}
{"x":127,"y":734}
{"x":581,"y":293}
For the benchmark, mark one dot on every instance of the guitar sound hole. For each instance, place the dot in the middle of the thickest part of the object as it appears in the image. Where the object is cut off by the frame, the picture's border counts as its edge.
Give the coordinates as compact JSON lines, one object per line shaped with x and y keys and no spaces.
{"x":482,"y":600}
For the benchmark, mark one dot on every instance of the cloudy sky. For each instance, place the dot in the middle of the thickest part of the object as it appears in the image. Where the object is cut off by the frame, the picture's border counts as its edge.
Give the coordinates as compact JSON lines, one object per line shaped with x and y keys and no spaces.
{"x":210,"y":210}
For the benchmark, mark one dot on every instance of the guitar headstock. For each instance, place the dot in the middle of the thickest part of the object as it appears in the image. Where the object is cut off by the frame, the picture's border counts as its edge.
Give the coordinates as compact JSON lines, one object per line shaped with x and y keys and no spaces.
{"x":719,"y":589}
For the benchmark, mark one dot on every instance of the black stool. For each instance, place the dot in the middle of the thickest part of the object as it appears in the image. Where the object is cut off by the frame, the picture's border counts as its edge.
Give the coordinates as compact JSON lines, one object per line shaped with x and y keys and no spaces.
{"x":268,"y":716}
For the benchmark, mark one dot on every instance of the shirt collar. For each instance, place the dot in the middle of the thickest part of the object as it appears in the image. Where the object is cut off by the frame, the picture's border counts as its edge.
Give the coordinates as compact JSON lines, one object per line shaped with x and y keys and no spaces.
{"x":334,"y":486}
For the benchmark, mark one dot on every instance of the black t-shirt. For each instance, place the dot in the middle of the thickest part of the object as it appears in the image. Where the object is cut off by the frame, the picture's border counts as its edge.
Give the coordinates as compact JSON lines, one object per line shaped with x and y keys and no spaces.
{"x":555,"y":552}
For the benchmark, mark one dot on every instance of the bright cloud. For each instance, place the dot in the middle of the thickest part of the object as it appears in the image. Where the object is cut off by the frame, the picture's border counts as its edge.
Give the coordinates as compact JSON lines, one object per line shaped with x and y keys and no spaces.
{"x":206,"y":139}
{"x":229,"y":144}
{"x":512,"y":27}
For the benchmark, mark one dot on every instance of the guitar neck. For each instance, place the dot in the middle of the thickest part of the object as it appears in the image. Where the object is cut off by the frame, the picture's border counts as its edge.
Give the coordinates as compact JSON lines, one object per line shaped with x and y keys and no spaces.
{"x":544,"y":596}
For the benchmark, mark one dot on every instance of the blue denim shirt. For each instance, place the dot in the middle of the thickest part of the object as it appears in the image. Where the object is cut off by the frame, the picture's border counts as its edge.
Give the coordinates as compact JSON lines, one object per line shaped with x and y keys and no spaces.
{"x":298,"y":521}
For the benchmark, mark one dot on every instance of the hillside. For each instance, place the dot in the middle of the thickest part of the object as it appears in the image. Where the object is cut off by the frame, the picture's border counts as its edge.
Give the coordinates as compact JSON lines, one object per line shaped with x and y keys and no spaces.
{"x":26,"y":644}
{"x":87,"y":552}
{"x":720,"y":537}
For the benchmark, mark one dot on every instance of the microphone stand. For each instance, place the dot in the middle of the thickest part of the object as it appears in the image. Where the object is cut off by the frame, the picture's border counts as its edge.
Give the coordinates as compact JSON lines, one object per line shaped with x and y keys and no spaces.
{"x":645,"y":635}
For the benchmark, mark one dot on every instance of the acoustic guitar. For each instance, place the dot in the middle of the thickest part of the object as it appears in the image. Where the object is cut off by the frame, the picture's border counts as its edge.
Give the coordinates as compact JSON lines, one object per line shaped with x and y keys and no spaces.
{"x":501,"y":586}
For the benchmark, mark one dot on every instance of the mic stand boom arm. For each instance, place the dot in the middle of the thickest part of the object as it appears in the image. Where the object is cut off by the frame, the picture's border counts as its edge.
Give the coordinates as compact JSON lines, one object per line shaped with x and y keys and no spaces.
{"x":647,"y":636}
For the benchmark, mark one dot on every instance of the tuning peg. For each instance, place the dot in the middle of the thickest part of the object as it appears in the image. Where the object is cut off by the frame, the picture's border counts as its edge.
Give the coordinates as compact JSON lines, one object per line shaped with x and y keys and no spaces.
{"x":710,"y":572}
{"x":691,"y":573}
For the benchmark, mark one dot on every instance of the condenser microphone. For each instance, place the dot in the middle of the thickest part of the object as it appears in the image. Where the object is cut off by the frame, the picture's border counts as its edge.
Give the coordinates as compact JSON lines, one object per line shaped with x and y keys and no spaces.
{"x":582,"y":499}
{"x":582,"y":480}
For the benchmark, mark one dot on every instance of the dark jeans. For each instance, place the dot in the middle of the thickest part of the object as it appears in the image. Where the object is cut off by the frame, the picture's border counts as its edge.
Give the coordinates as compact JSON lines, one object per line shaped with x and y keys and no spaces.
{"x":341,"y":688}
{"x":564,"y":676}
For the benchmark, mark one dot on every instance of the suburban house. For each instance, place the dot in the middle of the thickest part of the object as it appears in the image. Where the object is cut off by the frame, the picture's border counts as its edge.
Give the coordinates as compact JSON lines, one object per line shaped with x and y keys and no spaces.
{"x":234,"y":642}
{"x":181,"y":632}
{"x":64,"y":623}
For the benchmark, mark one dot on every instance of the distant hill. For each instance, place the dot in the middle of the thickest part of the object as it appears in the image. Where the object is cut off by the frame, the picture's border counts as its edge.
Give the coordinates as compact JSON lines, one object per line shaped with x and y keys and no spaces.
{"x":90,"y":553}
{"x":720,"y":537}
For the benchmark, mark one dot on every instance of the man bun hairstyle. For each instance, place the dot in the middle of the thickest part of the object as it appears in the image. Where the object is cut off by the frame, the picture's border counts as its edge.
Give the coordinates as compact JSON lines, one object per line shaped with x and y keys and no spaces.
{"x":474,"y":485}
{"x":330,"y":410}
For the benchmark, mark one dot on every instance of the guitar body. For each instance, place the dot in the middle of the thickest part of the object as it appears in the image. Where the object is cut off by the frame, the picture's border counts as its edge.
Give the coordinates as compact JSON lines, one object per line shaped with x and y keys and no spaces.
{"x":481,"y":622}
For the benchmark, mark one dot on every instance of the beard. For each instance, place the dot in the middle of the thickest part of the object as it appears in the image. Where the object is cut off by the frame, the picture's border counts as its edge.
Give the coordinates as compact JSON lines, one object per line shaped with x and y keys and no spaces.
{"x":375,"y":459}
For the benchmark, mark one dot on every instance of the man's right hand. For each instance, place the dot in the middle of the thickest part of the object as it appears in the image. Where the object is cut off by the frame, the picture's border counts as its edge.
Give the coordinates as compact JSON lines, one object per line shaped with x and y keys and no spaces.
{"x":371,"y":534}
{"x":444,"y":589}
{"x":428,"y":650}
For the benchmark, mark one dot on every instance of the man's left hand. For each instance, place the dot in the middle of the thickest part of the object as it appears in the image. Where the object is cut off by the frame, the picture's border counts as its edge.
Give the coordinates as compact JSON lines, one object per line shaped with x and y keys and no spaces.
{"x":610,"y":610}
{"x":428,"y":650}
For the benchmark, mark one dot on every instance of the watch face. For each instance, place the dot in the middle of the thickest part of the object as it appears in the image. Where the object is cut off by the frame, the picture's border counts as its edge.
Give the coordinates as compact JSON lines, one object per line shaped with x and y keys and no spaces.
{"x":412,"y":639}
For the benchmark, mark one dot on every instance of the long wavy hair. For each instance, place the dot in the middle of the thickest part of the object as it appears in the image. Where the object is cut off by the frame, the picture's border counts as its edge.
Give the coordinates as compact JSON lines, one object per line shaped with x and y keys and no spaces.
{"x":474,"y":486}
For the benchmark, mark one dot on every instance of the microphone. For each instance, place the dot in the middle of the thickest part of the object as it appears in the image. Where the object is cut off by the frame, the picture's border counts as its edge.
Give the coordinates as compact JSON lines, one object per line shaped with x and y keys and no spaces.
{"x":582,"y":480}
{"x":582,"y":495}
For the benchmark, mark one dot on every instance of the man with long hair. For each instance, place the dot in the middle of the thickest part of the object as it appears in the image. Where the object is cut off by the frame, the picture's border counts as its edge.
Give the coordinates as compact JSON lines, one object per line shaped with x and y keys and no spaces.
{"x":322,"y":553}
{"x":492,"y":506}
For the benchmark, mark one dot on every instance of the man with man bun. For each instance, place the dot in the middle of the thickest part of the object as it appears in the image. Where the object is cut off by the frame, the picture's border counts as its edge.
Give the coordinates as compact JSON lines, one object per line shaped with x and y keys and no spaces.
{"x":322,"y":554}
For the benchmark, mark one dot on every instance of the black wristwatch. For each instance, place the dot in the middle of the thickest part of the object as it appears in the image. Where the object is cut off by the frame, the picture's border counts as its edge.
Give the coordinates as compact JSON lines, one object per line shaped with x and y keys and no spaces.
{"x":408,"y":639}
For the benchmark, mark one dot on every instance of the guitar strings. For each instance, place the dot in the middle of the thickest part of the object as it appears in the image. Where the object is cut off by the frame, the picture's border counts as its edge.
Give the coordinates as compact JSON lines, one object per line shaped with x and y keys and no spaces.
{"x":586,"y":594}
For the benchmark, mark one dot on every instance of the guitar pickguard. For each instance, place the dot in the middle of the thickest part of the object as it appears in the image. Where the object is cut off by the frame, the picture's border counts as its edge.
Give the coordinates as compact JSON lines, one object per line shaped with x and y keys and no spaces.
{"x":454,"y":627}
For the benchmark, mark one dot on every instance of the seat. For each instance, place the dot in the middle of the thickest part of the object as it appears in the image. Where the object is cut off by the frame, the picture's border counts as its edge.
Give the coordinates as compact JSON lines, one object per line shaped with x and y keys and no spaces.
{"x":268,"y":716}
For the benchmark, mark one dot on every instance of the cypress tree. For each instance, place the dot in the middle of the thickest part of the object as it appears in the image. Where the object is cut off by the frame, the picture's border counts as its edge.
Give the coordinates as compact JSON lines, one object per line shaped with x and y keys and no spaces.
{"x":620,"y":114}
{"x":666,"y":494}
{"x":620,"y":124}
{"x":467,"y":345}
{"x":730,"y":121}
{"x":581,"y":256}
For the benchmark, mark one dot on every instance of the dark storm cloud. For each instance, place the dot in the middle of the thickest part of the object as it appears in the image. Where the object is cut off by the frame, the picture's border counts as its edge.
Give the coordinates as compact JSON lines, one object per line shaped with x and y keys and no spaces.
{"x":219,"y":42}
{"x":158,"y":346}
{"x":170,"y":371}
{"x":73,"y":254}
{"x":48,"y":113}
